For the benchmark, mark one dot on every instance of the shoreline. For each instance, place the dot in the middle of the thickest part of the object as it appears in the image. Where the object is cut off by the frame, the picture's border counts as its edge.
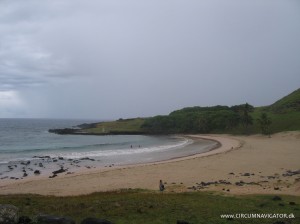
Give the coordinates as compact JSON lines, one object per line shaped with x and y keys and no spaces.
{"x":87,"y":168}
{"x":241,"y":165}
{"x":46,"y":165}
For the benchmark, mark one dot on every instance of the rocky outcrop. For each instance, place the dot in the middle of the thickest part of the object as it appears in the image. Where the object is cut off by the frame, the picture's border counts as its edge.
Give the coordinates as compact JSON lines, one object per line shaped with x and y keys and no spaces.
{"x":74,"y":131}
{"x":95,"y":221}
{"x":37,"y":172}
{"x":24,"y":220}
{"x":290,"y":173}
{"x":50,"y":219}
{"x":61,"y":170}
{"x":64,"y":131}
{"x":9,"y":214}
{"x":182,"y":222}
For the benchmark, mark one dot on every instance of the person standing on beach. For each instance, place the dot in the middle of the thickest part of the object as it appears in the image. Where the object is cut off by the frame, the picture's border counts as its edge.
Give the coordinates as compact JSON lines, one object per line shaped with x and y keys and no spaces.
{"x":161,"y":186}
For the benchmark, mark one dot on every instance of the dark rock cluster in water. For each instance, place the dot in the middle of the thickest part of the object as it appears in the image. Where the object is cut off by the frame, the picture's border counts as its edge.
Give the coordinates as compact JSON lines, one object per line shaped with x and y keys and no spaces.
{"x":79,"y":131}
{"x":42,"y":165}
{"x":65,"y":131}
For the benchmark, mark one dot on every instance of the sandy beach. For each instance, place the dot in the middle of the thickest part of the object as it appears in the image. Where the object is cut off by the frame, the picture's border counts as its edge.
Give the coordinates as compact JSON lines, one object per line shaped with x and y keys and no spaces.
{"x":241,"y":165}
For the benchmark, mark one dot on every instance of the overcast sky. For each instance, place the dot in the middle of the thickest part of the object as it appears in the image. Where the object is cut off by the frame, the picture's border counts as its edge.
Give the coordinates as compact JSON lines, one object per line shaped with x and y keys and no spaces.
{"x":128,"y":58}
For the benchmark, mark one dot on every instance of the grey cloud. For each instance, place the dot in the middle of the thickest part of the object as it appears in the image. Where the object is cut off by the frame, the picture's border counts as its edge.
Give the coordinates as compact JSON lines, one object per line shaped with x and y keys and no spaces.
{"x":23,"y":60}
{"x":135,"y":58}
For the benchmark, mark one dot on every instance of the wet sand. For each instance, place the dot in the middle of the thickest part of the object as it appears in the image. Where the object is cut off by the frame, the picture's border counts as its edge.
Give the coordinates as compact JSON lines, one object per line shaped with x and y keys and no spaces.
{"x":241,"y":165}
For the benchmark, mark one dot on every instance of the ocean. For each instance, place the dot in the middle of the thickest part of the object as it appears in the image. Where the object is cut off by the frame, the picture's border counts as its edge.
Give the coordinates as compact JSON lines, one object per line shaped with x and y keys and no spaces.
{"x":26,"y":146}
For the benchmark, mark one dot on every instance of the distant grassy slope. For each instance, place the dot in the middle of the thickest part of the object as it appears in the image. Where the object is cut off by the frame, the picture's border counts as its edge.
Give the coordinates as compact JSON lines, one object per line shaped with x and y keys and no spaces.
{"x":289,"y":121}
{"x":129,"y":126}
{"x":289,"y":103}
{"x":284,"y":114}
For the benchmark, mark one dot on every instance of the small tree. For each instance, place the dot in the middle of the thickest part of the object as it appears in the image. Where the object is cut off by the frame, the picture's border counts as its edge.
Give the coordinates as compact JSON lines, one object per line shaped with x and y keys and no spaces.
{"x":264,"y":122}
{"x":246,"y":118}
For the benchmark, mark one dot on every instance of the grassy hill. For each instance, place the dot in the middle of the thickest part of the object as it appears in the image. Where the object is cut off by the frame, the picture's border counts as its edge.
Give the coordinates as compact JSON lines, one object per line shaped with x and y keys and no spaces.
{"x":126,"y":126}
{"x":289,"y":121}
{"x":284,"y":115}
{"x":289,"y":103}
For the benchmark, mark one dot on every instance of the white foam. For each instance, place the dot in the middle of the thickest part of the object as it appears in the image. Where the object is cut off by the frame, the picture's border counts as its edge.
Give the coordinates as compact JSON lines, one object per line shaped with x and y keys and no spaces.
{"x":127,"y":151}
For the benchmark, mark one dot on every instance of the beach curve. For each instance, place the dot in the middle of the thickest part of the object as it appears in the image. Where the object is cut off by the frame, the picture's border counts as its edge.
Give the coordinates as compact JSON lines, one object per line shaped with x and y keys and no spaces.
{"x":189,"y":173}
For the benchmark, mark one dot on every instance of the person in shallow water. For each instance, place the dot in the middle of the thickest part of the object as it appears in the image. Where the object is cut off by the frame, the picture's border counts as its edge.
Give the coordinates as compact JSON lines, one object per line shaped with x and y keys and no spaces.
{"x":161,"y":186}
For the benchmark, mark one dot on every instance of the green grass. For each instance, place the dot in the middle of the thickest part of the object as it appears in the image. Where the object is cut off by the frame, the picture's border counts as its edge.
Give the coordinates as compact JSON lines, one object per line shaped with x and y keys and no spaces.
{"x":286,"y":104}
{"x":136,"y":206}
{"x":280,"y":122}
{"x":126,"y":125}
{"x":289,"y":121}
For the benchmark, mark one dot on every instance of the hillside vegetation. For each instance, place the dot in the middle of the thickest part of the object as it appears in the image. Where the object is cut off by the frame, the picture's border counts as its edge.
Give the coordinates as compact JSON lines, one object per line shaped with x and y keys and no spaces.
{"x":283,"y":115}
{"x":197,"y":120}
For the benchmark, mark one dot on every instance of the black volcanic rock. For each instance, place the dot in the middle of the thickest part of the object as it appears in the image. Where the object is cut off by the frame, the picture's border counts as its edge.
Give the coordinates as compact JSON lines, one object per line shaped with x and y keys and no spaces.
{"x":37,"y":172}
{"x":64,"y":131}
{"x":95,"y":221}
{"x":61,"y":170}
{"x":182,"y":222}
{"x":290,"y":173}
{"x":50,"y":219}
{"x":24,"y":220}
